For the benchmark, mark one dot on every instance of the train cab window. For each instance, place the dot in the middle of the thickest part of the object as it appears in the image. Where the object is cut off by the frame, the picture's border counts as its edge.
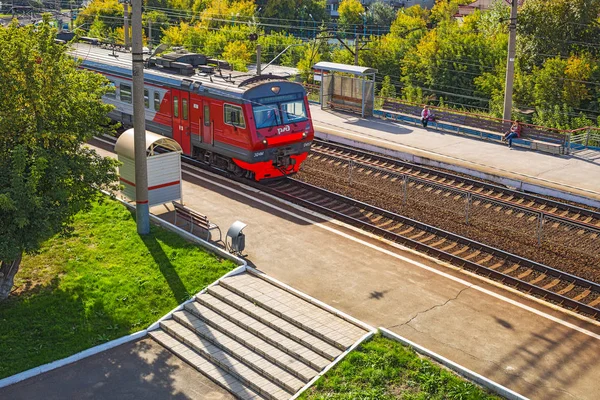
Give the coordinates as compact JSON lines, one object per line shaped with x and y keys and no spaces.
{"x":234,"y":116}
{"x":146,"y":99}
{"x":293,"y":111}
{"x":175,"y":107}
{"x":266,"y":116}
{"x":125,"y":95}
{"x":156,"y":101}
{"x":206,"y":115}
{"x":184,"y":108}
{"x":112,"y":93}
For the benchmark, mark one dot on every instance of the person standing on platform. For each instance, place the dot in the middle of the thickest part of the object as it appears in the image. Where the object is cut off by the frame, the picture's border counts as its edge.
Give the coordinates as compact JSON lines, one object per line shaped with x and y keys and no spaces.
{"x":514,"y":132}
{"x":426,"y":116}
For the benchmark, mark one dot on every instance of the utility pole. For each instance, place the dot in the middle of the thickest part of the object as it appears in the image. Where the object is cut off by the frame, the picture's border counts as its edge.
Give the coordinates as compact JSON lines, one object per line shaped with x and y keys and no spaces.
{"x":126,"y":24}
{"x":258,"y":49}
{"x":149,"y":34}
{"x":142,"y":212}
{"x":356,"y":49}
{"x":510,"y":63}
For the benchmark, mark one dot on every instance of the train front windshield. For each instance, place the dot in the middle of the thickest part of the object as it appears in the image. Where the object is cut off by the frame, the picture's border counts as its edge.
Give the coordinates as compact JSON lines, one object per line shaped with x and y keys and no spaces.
{"x":279,"y":110}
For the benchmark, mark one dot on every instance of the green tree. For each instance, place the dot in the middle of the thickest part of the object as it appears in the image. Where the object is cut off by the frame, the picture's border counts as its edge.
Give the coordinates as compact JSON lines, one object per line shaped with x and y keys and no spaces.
{"x":381,"y":14}
{"x":351,"y":14}
{"x":109,"y":12}
{"x":557,"y":27}
{"x":49,"y":109}
{"x":237,"y":54}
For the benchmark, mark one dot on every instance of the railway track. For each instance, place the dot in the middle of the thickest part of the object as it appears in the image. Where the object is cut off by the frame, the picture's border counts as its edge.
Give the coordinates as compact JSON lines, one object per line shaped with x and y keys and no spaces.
{"x":561,"y":212}
{"x":560,"y":288}
{"x":566,"y":290}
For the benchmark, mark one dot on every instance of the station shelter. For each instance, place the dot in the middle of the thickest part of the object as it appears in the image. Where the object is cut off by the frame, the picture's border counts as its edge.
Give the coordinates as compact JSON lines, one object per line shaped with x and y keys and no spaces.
{"x":346,"y":86}
{"x":164,"y":167}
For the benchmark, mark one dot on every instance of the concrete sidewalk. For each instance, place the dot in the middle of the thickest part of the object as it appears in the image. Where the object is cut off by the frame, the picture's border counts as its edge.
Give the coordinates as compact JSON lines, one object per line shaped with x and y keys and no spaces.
{"x":578,"y":173}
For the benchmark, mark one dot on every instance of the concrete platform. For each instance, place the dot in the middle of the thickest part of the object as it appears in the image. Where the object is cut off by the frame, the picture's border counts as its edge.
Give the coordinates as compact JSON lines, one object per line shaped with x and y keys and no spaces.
{"x":576,"y":174}
{"x":139,"y":370}
{"x":540,"y":354}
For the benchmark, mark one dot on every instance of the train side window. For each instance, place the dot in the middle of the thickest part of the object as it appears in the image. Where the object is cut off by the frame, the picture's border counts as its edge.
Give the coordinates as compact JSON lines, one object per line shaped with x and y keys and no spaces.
{"x":146,"y":99}
{"x":112,"y":94}
{"x":184,"y":108}
{"x":234,"y":116}
{"x":175,"y":107}
{"x":125,"y":93}
{"x":156,"y":101}
{"x":206,"y":115}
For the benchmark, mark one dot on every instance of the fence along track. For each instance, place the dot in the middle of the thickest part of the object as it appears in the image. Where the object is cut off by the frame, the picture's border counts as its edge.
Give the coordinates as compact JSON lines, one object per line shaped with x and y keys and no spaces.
{"x":565,"y":212}
{"x":548,"y":220}
{"x":566,"y":290}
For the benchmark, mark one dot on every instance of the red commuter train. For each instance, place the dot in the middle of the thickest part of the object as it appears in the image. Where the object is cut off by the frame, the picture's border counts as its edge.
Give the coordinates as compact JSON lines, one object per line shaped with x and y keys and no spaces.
{"x":253,"y":126}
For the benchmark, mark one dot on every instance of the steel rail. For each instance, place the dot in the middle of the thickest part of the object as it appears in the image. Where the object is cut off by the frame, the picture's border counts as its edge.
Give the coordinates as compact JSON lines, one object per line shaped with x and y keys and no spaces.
{"x":443,"y":255}
{"x":462,"y":179}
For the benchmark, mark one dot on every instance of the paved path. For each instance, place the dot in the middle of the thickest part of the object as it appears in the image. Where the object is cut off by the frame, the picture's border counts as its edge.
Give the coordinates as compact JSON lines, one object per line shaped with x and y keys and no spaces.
{"x":139,"y":370}
{"x":579,"y":173}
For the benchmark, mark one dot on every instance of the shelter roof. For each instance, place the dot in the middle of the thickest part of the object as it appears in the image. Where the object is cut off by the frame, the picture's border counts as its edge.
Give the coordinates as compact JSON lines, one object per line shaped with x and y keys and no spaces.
{"x":350,"y":69}
{"x":124,"y":144}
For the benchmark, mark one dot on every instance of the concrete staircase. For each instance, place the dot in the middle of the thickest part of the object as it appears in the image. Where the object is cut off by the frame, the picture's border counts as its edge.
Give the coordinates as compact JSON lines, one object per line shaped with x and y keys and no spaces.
{"x":256,"y":338}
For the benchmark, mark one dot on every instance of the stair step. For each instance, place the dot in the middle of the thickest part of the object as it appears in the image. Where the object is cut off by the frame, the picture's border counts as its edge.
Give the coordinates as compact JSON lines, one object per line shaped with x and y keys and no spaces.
{"x":266,"y":341}
{"x":240,"y":352}
{"x":242,"y":372}
{"x":275,"y":322}
{"x":207,"y":368}
{"x":309,"y":317}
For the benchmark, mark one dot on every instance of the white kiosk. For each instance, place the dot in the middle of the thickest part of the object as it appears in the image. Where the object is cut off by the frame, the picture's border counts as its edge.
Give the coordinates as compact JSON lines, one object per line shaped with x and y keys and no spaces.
{"x":164,"y":168}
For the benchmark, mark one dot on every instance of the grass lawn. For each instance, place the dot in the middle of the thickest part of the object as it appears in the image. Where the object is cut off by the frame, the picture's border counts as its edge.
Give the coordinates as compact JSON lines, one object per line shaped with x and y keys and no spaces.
{"x":99,"y":283}
{"x":384,"y":369}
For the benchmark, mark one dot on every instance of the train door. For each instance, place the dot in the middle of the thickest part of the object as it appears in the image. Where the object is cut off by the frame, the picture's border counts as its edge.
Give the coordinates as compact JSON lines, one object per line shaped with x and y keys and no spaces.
{"x":206,"y":128}
{"x":181,"y":119}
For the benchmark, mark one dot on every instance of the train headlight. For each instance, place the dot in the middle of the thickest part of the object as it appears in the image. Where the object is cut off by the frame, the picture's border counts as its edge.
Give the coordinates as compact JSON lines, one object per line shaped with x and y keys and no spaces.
{"x":265,"y":142}
{"x":304,"y":135}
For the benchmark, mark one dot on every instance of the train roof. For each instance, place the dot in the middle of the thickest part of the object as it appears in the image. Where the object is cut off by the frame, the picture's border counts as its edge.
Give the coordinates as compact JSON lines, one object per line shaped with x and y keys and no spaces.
{"x":222,"y":83}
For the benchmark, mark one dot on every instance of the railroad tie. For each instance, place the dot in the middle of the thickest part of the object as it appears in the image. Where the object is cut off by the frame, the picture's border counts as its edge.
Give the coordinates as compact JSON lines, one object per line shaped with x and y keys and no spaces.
{"x":418,"y":235}
{"x":497,"y":265}
{"x":595,"y":302}
{"x":525,"y":274}
{"x":479,"y":189}
{"x":511,"y":269}
{"x":538,"y":279}
{"x":582,"y":295}
{"x":460,"y":251}
{"x":404,"y":232}
{"x":552,"y":284}
{"x":398,"y":225}
{"x":587,"y":220}
{"x":376,"y":219}
{"x":567,"y":289}
{"x":450,"y":246}
{"x":484,"y":260}
{"x":521,"y":200}
{"x":427,"y":239}
{"x":394,"y":179}
{"x":439,"y":242}
{"x":472,"y":255}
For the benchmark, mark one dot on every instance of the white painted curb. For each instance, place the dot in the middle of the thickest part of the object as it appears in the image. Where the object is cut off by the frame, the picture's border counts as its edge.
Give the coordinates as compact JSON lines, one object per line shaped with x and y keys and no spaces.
{"x":30,"y":373}
{"x":467,"y":373}
{"x":242,"y":265}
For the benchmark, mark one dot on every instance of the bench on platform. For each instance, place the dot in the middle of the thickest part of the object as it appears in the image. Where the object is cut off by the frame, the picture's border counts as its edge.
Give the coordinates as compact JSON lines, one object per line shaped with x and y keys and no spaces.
{"x":484,"y":128}
{"x":196,"y":219}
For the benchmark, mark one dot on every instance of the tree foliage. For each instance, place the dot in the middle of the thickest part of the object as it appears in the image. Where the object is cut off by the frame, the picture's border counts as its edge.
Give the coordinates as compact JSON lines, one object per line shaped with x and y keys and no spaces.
{"x":48,"y":109}
{"x":381,"y":14}
{"x":351,"y":14}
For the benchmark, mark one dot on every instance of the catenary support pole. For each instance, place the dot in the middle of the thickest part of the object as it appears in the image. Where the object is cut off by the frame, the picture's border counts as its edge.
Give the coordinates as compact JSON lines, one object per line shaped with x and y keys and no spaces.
{"x":149,"y":34}
{"x":510,"y":63}
{"x":139,"y":122}
{"x":258,"y":49}
{"x":126,"y":24}
{"x":356,"y":44}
